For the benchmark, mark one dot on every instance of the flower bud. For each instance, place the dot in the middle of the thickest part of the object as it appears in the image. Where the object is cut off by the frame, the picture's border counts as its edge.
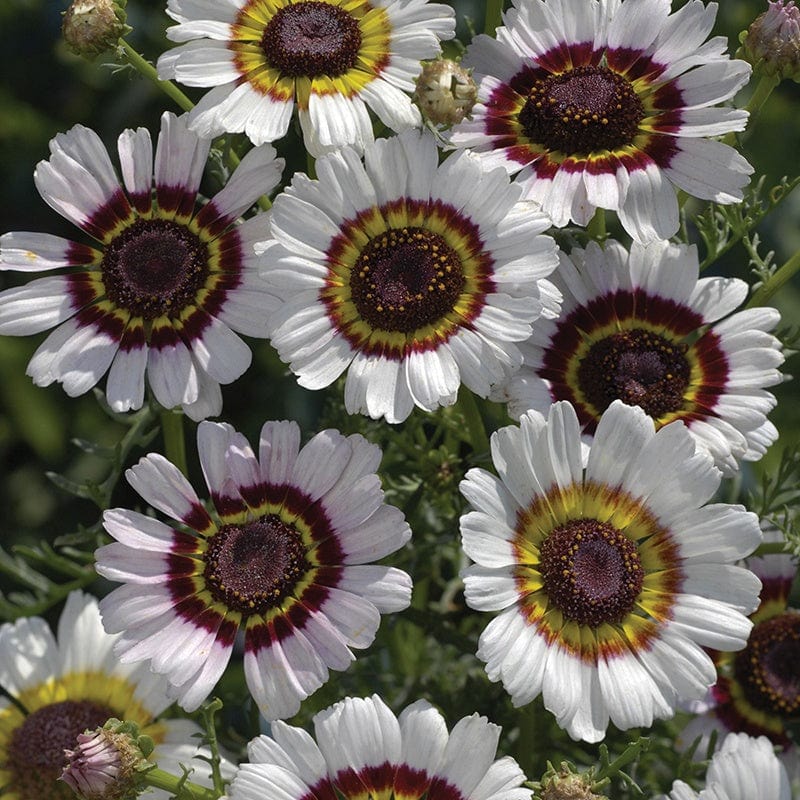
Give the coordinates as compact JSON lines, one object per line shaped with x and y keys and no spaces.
{"x":445,"y":92}
{"x":107,"y":763}
{"x":91,"y":27}
{"x":772,"y":43}
{"x":567,"y":785}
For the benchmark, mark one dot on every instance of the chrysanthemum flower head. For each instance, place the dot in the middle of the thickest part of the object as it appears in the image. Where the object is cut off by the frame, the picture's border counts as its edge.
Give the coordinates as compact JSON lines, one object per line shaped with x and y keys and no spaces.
{"x":611,"y":579}
{"x":283,"y":557}
{"x":60,"y":687}
{"x":363,"y":749}
{"x":641,"y":327}
{"x":745,"y":768}
{"x":758,"y":688}
{"x":164,"y":289}
{"x":414,"y":277}
{"x":333,"y":59}
{"x":609,"y":105}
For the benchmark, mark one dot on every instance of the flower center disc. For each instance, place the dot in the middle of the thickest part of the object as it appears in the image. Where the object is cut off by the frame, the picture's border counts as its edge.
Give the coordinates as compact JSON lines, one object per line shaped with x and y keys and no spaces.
{"x":591,"y":571}
{"x":36,"y":748}
{"x":405,"y":279}
{"x":311,"y":39}
{"x":581,"y":111}
{"x":767,"y":669}
{"x":638,"y":367}
{"x":154,"y":267}
{"x":253,"y":567}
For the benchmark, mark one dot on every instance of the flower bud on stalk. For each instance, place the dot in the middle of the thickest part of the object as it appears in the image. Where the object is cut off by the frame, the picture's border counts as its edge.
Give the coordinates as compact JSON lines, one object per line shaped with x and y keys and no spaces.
{"x":91,"y":27}
{"x":109,"y":762}
{"x":567,"y":785}
{"x":445,"y":92}
{"x":772,"y":43}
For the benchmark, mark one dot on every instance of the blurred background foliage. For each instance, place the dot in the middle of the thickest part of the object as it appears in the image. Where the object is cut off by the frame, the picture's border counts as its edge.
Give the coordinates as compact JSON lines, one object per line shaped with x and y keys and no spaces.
{"x":46,"y":89}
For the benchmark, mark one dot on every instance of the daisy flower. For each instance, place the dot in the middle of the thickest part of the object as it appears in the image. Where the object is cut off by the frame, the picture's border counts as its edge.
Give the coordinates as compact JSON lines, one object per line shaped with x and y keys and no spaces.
{"x":362,"y":749}
{"x":641,"y":327}
{"x":611,"y":579}
{"x":745,"y":768}
{"x":284,"y":558}
{"x":609,"y":105}
{"x":164,"y":288}
{"x":411,"y":276}
{"x":61,"y":686}
{"x":758,"y":689}
{"x":334,"y":59}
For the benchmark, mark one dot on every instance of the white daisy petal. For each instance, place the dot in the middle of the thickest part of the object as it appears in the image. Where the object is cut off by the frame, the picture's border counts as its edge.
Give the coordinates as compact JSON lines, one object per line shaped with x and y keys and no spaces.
{"x":35,"y":307}
{"x":34,"y":252}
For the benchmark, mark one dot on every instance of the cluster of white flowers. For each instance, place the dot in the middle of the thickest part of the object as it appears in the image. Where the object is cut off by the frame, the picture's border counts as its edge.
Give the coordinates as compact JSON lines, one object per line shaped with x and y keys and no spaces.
{"x":412,"y":265}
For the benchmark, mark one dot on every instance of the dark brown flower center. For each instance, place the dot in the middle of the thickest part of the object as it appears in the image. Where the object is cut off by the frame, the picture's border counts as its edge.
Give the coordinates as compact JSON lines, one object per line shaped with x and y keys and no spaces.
{"x":35,"y":752}
{"x":406,"y":278}
{"x":311,"y":39}
{"x":581,"y":111}
{"x":638,"y":367}
{"x":591,"y":571}
{"x":154,"y":267}
{"x":768,"y":669}
{"x":253,"y":567}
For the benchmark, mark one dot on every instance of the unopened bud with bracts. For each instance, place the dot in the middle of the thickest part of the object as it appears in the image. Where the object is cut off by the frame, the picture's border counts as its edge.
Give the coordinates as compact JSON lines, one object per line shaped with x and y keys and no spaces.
{"x":564,"y":784}
{"x":109,"y":762}
{"x":772,"y":43}
{"x":91,"y":27}
{"x":445,"y":92}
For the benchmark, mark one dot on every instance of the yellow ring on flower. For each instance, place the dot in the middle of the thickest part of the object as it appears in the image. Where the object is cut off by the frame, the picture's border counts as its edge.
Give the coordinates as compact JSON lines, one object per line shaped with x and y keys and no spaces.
{"x":657,"y":552}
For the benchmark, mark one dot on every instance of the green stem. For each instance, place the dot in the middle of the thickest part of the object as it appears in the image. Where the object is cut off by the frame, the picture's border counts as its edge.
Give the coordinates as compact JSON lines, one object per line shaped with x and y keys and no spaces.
{"x":775,"y":281}
{"x":754,"y":105}
{"x":762,"y":92}
{"x":174,"y":443}
{"x":149,"y":72}
{"x":597,"y":226}
{"x":137,"y":434}
{"x":181,"y":789}
{"x":771,"y":548}
{"x":494,"y":16}
{"x":474,"y":422}
{"x":311,"y":166}
{"x":208,"y":713}
{"x":528,"y":749}
{"x":611,"y":768}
